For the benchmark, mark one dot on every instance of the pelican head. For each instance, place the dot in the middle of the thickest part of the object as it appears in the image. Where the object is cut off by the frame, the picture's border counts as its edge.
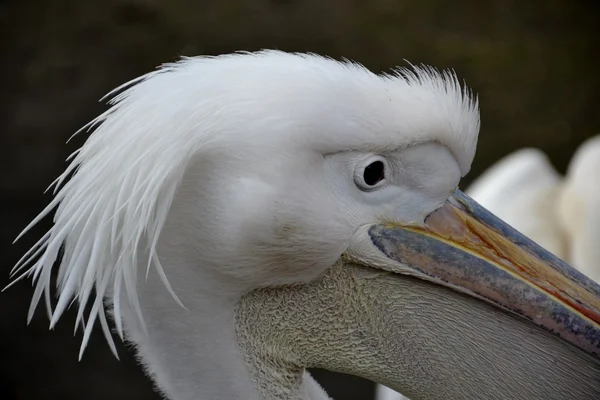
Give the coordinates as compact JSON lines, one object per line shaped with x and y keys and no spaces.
{"x":247,"y":216}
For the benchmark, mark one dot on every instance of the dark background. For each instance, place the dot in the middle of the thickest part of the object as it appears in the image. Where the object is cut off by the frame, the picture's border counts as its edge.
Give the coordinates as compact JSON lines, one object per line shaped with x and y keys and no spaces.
{"x":534,"y":64}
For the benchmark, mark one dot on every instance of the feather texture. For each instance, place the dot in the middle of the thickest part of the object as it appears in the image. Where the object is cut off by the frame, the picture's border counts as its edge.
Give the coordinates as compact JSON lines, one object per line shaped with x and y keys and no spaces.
{"x":112,"y":201}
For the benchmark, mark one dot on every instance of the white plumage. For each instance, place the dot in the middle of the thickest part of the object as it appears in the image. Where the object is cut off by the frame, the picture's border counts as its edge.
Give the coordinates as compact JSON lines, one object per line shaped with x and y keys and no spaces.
{"x":221,"y":200}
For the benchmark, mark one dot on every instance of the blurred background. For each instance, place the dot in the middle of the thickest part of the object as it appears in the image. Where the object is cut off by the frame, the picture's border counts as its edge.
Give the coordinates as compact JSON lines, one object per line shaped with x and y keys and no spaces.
{"x":534,"y":65}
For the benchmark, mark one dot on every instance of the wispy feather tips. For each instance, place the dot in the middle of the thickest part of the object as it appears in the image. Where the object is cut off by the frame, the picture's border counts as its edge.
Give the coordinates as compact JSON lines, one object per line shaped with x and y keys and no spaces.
{"x":105,"y":212}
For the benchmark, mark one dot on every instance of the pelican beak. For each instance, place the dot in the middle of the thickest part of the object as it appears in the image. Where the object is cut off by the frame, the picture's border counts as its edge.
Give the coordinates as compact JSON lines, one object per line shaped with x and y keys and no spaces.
{"x":465,"y":247}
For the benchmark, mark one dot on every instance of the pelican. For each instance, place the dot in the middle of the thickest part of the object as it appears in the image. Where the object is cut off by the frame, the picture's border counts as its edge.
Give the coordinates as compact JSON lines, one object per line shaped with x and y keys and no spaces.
{"x":244,"y":217}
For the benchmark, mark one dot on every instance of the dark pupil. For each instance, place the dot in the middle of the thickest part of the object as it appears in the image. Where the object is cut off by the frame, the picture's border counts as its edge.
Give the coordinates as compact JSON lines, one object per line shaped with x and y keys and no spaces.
{"x":374,"y":173}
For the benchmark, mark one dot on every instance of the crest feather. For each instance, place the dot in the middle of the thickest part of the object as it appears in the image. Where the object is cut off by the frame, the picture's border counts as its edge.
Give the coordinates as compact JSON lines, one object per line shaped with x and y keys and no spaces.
{"x":109,"y":209}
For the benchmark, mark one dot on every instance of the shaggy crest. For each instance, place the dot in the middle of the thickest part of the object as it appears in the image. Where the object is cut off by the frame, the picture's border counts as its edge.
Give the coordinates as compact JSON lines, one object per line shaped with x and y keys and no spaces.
{"x":111,"y":211}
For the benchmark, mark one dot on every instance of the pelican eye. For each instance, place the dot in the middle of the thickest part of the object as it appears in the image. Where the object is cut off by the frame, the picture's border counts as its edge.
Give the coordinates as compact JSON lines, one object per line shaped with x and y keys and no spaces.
{"x":369,"y":177}
{"x":374,"y":173}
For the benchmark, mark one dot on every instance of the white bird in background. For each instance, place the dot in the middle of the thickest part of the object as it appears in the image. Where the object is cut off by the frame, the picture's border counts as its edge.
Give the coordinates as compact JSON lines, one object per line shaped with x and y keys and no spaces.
{"x":579,"y":208}
{"x":522,"y":189}
{"x":251,"y":215}
{"x":560,"y":214}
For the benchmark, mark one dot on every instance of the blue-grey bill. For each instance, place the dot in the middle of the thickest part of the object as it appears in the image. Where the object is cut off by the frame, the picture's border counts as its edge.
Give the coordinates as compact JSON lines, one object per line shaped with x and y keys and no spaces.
{"x":467,"y":248}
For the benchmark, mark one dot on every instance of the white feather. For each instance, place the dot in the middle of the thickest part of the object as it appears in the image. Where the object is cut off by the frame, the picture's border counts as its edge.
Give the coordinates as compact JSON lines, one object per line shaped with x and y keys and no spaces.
{"x":126,"y":174}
